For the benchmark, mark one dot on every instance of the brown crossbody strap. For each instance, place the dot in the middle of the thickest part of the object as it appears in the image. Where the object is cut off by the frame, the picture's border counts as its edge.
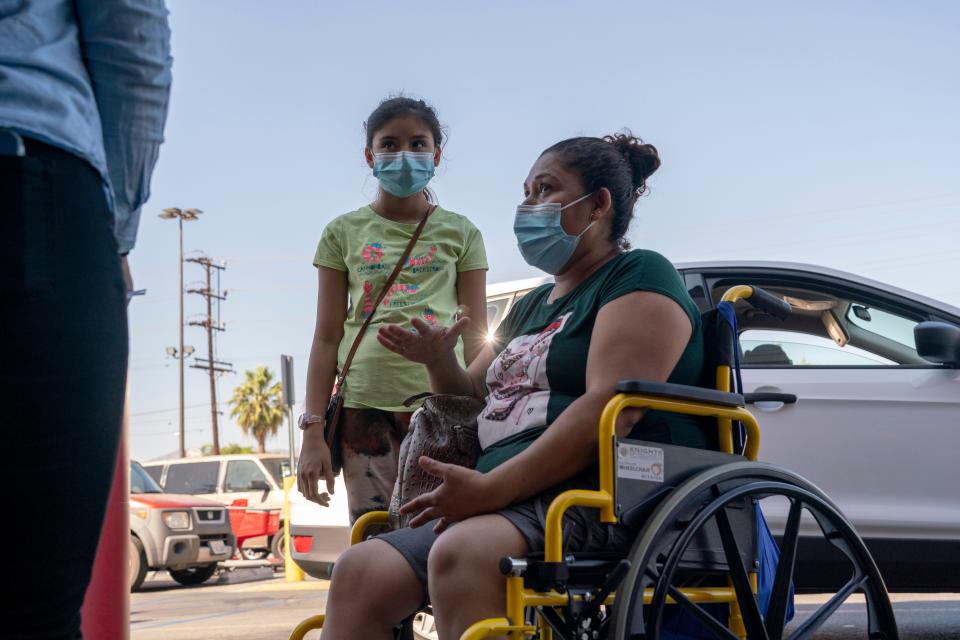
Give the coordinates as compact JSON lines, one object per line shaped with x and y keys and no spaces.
{"x":383,"y":292}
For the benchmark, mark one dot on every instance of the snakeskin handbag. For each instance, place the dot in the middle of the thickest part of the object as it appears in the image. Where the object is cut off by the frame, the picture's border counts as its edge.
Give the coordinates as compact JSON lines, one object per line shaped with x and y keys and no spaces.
{"x":443,"y":428}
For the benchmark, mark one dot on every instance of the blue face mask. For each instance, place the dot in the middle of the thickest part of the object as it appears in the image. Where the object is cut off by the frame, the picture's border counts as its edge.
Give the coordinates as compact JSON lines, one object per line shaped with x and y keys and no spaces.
{"x":403,"y":173}
{"x":542,"y":241}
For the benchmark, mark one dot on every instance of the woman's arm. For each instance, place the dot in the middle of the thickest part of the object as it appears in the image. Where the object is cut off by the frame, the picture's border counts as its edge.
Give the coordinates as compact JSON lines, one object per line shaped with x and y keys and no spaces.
{"x":472,"y":294}
{"x":321,"y":371}
{"x":620,"y":348}
{"x":433,"y":347}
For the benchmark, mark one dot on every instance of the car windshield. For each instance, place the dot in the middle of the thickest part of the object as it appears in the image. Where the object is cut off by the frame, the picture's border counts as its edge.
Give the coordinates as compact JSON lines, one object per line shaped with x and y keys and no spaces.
{"x":278,"y":468}
{"x":140,"y":482}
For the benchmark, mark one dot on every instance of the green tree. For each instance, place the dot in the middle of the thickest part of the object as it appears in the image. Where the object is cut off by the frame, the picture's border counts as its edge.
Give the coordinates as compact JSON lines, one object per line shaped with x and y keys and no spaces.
{"x":257,"y":405}
{"x":226,"y":450}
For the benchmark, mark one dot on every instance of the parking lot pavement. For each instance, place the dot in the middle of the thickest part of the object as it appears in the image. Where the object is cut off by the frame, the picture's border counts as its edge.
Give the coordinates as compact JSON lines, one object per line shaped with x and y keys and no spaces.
{"x":256,"y":610}
{"x":270,"y":609}
{"x":920,"y":616}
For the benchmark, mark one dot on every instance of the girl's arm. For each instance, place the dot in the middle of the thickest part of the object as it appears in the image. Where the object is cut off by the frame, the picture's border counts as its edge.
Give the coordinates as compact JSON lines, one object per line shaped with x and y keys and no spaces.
{"x":620,"y":348}
{"x":321,"y":370}
{"x":472,"y":294}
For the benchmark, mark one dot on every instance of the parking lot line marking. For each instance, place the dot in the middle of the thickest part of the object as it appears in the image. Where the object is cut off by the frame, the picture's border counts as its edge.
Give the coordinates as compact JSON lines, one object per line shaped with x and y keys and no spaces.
{"x":280,"y":585}
{"x":269,"y":604}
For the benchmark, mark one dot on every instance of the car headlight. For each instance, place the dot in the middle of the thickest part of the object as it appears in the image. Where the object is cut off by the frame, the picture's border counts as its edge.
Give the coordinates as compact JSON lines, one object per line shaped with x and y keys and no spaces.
{"x":176,"y":519}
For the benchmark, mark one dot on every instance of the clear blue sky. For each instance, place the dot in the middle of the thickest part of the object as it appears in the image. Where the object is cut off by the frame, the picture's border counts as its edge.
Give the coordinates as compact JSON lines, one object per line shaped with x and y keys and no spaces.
{"x":818,"y":132}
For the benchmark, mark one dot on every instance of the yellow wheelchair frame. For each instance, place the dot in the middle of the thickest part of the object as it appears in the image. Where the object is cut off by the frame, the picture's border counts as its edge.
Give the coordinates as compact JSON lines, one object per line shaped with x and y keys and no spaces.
{"x":520,"y":598}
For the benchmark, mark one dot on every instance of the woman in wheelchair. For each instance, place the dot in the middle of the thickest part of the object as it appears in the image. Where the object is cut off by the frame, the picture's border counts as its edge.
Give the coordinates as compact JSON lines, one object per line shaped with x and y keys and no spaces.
{"x":612,"y":314}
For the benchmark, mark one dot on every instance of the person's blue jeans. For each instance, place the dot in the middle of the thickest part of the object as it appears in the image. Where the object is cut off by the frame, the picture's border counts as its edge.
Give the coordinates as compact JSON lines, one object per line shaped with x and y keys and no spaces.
{"x":63,"y":364}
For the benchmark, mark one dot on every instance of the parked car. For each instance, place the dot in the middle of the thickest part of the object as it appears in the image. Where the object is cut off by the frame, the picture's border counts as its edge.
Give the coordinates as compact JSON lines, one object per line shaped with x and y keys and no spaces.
{"x":865,"y":415}
{"x":319,"y":534}
{"x":183,"y":534}
{"x":254,"y":477}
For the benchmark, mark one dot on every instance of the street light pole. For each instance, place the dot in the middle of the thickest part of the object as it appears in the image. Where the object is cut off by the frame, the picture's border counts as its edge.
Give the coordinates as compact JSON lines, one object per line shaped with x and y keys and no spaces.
{"x":183,"y":449}
{"x":181,"y":215}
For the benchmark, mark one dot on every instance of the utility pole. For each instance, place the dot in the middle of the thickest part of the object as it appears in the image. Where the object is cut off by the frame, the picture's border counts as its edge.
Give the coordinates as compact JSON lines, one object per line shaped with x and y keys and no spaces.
{"x":180,"y":215}
{"x":210,"y":363}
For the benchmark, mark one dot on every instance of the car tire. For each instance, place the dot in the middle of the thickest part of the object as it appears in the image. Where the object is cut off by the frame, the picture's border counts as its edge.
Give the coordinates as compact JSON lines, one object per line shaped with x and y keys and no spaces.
{"x":194,"y":575}
{"x":253,"y":553}
{"x":277,"y":546}
{"x":137,"y":563}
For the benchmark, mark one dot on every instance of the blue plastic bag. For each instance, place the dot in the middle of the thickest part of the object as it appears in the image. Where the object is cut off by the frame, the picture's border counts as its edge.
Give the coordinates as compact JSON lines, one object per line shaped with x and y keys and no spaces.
{"x":680,"y":624}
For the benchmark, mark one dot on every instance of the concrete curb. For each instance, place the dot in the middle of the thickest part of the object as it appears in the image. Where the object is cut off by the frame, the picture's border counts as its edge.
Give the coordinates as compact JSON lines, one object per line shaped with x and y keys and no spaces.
{"x":240,"y":575}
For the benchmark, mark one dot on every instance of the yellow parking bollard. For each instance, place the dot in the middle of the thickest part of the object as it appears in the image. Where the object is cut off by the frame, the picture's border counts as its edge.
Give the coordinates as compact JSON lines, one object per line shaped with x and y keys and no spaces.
{"x":291,"y":571}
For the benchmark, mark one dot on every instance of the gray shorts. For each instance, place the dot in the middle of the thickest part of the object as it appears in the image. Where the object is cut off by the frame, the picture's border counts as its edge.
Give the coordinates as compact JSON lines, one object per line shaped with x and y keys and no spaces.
{"x":582,"y":531}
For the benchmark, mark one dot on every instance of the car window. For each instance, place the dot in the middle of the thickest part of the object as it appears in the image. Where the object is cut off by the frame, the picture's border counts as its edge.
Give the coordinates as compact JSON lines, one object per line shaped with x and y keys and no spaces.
{"x":495,"y":311}
{"x":771,"y":348}
{"x":192,"y":478}
{"x":279,"y":468}
{"x":240,"y":474}
{"x":141,"y":482}
{"x":882,"y":323}
{"x":155,"y":472}
{"x":520,"y":294}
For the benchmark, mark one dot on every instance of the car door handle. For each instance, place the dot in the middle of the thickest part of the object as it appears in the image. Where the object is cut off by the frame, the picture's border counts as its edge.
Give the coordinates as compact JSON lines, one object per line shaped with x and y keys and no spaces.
{"x":769,"y":396}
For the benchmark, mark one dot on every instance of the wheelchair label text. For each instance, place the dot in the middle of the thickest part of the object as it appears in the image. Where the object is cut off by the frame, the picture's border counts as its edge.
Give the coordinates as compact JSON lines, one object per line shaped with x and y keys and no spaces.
{"x":639,"y":463}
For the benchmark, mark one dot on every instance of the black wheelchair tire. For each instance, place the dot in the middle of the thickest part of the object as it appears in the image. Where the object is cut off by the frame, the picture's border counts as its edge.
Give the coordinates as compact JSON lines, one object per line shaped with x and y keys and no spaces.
{"x":656,"y":546}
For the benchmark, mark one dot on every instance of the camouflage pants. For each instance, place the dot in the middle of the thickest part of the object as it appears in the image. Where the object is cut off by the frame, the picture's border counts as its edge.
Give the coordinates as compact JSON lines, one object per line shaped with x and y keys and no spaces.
{"x":370,"y":439}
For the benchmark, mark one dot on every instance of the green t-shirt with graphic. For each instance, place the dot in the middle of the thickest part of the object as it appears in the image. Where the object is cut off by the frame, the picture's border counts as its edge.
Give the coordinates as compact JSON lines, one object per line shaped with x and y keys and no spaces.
{"x":541,"y":362}
{"x":367,"y":247}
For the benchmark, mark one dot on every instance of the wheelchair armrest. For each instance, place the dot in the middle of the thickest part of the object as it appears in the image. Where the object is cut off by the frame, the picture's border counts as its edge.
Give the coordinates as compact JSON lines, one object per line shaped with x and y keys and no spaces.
{"x":680,"y":392}
{"x":359,"y":529}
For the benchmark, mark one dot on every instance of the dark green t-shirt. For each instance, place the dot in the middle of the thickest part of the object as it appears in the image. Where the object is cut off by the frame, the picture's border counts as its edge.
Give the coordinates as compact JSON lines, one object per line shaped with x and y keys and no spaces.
{"x":541,"y":362}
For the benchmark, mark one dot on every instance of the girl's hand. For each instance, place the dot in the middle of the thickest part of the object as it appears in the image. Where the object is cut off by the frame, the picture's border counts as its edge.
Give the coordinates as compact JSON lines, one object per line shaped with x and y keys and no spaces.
{"x":463,"y":493}
{"x":315,"y":465}
{"x":425,"y":343}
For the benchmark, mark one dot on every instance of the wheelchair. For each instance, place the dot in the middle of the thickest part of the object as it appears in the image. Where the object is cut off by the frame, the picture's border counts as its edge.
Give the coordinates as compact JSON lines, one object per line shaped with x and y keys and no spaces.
{"x":697,"y":516}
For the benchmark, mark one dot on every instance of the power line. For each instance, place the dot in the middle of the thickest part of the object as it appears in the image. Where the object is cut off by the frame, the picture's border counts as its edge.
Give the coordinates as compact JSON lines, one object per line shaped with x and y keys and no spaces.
{"x":147,"y":413}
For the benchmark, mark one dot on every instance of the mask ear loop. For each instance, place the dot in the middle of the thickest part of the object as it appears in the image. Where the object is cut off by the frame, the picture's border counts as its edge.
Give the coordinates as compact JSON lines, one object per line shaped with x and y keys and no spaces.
{"x":580,"y":199}
{"x":593,"y":220}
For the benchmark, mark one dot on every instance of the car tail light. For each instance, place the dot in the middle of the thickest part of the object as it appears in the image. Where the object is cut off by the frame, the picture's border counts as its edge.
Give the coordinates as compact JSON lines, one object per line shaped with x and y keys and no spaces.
{"x":302,"y":544}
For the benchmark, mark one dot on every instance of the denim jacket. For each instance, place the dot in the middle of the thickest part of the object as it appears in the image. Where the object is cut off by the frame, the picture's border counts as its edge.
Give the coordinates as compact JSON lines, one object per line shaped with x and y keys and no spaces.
{"x":91,"y":77}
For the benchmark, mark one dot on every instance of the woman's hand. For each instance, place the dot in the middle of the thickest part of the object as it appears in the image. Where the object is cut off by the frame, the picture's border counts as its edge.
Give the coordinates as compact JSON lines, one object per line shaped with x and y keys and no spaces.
{"x":315,"y":464}
{"x":463,"y":493}
{"x":425,"y":343}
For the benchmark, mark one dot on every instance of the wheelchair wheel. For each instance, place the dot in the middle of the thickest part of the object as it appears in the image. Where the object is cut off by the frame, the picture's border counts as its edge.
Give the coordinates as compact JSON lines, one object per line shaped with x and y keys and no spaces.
{"x":703,"y":506}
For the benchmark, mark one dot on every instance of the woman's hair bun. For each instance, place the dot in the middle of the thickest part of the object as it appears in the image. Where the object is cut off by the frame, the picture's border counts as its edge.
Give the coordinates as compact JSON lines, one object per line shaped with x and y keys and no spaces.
{"x":643,"y":158}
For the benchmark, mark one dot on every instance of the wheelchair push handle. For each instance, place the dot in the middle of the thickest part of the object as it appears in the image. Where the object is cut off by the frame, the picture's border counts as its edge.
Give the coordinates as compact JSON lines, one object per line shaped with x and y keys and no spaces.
{"x":768,"y":303}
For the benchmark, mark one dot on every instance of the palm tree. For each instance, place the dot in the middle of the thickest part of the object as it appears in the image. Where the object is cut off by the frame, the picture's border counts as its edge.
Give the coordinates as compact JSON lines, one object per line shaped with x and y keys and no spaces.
{"x":257,"y":405}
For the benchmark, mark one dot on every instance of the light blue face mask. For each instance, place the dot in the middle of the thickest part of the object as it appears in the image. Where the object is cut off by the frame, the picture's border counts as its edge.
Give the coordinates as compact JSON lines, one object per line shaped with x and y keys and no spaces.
{"x":403,"y":173}
{"x":542,"y":241}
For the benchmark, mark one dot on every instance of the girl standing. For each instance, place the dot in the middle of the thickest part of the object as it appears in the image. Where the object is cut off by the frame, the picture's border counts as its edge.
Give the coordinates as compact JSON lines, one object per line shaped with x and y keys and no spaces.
{"x":444,"y":273}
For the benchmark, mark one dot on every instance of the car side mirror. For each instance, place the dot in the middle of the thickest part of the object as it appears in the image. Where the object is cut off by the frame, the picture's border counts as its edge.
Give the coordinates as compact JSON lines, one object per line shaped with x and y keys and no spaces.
{"x":259,"y":485}
{"x":938,"y":342}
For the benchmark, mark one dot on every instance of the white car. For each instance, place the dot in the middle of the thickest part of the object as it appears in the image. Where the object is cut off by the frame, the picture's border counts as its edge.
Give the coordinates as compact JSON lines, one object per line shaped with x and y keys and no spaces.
{"x":847,"y":401}
{"x":857,"y":411}
{"x":254,"y":477}
{"x":318,"y":535}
